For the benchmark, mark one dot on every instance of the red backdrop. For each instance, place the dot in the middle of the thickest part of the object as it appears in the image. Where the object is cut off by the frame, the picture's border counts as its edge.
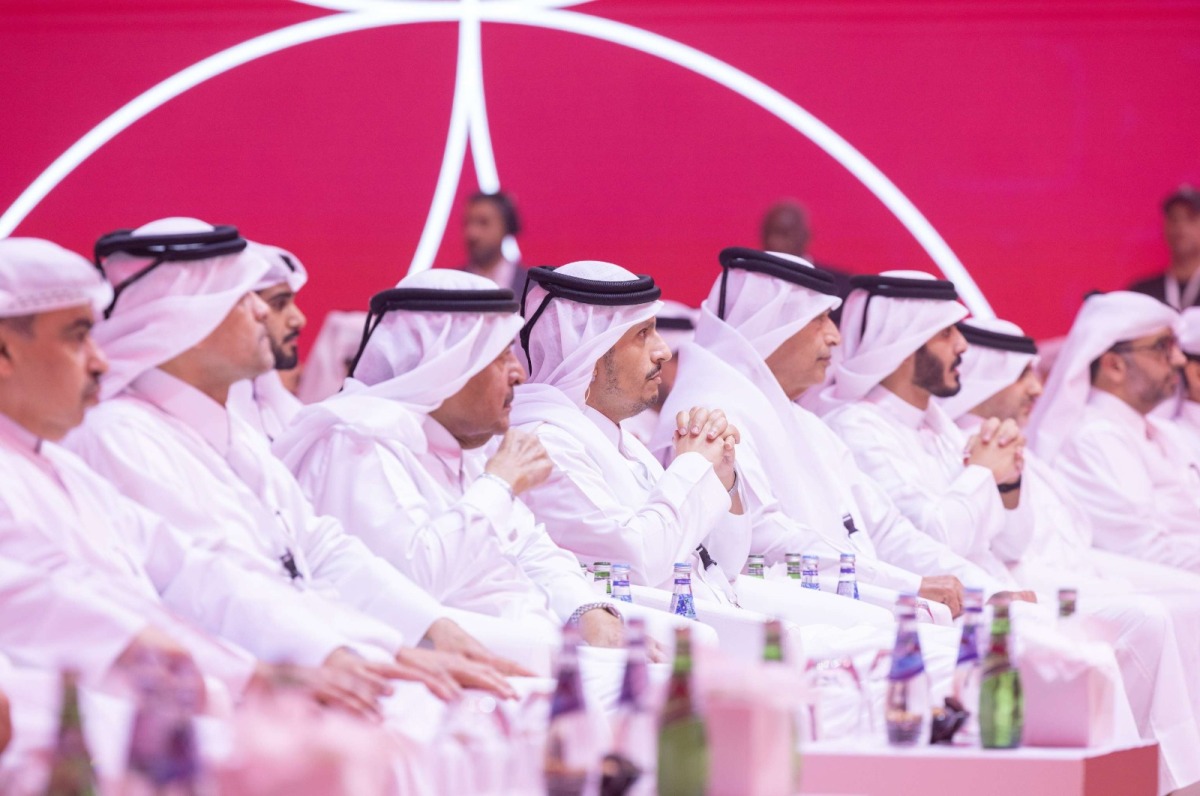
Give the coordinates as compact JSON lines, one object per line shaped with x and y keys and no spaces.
{"x":1037,"y":139}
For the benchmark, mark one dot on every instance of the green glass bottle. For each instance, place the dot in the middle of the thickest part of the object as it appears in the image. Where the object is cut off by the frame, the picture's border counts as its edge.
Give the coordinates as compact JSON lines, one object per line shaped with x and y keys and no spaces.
{"x":1001,"y":701}
{"x":682,"y":738}
{"x":71,"y":772}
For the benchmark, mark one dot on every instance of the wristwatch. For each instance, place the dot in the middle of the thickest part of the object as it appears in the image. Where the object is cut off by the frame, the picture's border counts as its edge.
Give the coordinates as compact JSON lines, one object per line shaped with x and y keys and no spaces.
{"x":583,"y":609}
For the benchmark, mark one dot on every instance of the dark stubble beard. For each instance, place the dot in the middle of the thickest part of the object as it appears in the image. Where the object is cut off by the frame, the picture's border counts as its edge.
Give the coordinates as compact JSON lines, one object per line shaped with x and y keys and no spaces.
{"x":630,"y":407}
{"x":932,"y":376}
{"x":284,"y":359}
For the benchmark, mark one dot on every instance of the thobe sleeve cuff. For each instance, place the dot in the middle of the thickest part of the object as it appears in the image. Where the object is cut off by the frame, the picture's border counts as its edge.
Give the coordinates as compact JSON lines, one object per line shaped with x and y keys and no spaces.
{"x":692,"y":474}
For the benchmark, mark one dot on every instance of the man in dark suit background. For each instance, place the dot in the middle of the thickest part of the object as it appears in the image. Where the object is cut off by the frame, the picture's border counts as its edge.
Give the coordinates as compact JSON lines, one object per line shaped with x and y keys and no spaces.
{"x":1180,"y":285}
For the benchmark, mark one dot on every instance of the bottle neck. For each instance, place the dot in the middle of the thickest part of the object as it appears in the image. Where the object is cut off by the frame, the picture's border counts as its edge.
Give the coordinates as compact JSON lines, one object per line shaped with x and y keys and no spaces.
{"x":683,"y":584}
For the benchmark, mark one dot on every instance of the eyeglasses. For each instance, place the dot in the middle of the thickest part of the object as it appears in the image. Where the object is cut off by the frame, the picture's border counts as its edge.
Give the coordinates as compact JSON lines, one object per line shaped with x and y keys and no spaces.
{"x":1162,"y":347}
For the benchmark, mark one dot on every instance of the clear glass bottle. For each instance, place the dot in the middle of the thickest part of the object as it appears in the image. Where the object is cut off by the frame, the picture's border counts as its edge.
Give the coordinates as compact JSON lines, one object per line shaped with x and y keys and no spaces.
{"x":968,"y":669}
{"x":571,"y":757}
{"x":682,"y":737}
{"x":630,"y":767}
{"x":602,"y":576}
{"x":810,"y":572}
{"x":795,"y":565}
{"x":164,"y":755}
{"x":71,"y":771}
{"x":1001,"y":700}
{"x":907,"y":707}
{"x":756,"y":566}
{"x":847,"y":580}
{"x":620,"y":583}
{"x":682,"y":602}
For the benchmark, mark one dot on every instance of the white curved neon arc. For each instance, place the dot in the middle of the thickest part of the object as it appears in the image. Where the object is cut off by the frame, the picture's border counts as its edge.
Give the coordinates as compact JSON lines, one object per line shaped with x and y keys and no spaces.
{"x":468,"y":115}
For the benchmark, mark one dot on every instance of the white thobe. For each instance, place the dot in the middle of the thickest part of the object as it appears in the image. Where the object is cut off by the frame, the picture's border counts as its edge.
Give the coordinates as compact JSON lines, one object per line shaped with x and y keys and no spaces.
{"x":805,"y":493}
{"x":110,"y":560}
{"x":462,"y":537}
{"x":264,"y":403}
{"x":1139,"y":487}
{"x":1187,"y":420}
{"x":609,"y":499}
{"x":177,"y":451}
{"x":916,"y":456}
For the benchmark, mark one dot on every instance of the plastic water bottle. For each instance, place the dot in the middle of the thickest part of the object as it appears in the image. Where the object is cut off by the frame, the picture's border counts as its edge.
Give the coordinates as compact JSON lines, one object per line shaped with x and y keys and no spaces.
{"x":1067,"y":599}
{"x":756,"y":566}
{"x":795,"y":567}
{"x":847,"y":581}
{"x":906,"y":708}
{"x":682,"y":602}
{"x":71,"y":771}
{"x":620,"y":583}
{"x":810,"y":573}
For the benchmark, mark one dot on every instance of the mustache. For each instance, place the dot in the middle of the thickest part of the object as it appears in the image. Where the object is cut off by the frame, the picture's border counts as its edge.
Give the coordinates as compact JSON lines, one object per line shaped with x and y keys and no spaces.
{"x":653,"y":372}
{"x":292,"y":337}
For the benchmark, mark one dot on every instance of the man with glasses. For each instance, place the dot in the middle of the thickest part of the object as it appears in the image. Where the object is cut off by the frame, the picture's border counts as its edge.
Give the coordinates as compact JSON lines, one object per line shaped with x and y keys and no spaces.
{"x":1126,"y":468}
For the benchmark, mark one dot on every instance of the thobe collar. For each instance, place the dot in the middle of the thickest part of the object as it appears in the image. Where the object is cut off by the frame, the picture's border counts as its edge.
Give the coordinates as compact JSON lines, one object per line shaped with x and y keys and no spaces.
{"x":18,"y":436}
{"x":901,"y":410}
{"x":610,"y":429}
{"x":1120,"y":412}
{"x":442,"y":444}
{"x":184,"y":402}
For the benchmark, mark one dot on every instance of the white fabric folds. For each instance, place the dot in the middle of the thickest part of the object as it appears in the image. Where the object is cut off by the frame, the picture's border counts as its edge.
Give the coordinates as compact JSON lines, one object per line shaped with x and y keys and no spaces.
{"x":1103,"y":321}
{"x":422,"y":358}
{"x":570,"y":337}
{"x":171,"y":308}
{"x":283,"y":266}
{"x":39,"y":276}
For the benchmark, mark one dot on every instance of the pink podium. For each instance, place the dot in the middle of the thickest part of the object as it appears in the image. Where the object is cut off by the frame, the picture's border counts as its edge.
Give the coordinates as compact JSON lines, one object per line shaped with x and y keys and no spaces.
{"x":839,"y":770}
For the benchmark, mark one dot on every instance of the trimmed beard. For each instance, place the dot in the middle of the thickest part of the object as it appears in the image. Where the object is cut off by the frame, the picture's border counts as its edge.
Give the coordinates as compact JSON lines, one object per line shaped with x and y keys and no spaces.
{"x":932,"y":376}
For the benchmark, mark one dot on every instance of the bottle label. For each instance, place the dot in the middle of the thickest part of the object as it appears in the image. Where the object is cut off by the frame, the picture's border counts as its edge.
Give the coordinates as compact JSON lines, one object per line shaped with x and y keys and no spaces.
{"x":907,"y":661}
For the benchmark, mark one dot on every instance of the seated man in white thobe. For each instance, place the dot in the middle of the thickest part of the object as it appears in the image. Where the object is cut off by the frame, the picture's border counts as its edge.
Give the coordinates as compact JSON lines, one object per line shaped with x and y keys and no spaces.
{"x":183,"y":327}
{"x":1122,"y":599}
{"x":264,"y":402}
{"x":1186,"y":416}
{"x":432,"y":387}
{"x":91,"y":577}
{"x":901,"y":349}
{"x":764,"y":338}
{"x":1135,"y":479}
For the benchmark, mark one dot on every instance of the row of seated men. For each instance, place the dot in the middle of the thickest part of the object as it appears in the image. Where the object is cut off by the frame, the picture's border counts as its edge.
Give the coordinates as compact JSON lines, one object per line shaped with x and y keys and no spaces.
{"x":421,"y":531}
